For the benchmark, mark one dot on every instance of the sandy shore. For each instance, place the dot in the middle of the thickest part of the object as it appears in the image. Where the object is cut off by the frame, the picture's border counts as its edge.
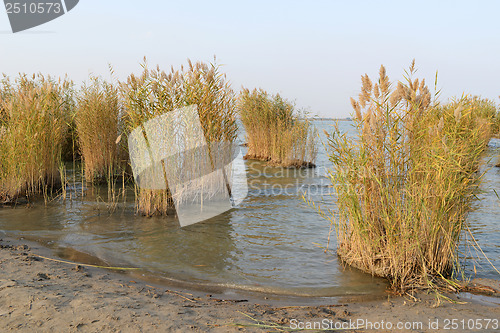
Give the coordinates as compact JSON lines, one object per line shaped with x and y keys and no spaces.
{"x":42,"y":295}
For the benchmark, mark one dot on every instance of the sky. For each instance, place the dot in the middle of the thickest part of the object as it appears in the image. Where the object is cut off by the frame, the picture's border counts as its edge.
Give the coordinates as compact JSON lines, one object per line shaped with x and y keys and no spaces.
{"x":311,"y":52}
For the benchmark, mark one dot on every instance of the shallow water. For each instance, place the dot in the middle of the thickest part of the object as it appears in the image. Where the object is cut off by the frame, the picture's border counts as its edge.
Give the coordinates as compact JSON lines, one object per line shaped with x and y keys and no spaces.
{"x":484,"y":222}
{"x":273,"y":242}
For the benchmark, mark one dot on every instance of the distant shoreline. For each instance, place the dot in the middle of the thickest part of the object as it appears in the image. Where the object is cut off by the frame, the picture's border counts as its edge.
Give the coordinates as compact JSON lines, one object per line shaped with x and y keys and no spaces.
{"x":331,"y":119}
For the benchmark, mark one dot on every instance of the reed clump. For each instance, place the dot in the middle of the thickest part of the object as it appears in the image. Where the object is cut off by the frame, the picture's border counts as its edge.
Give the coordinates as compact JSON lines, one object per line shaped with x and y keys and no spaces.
{"x":156,"y":92}
{"x":275,"y":132}
{"x":405,"y":184}
{"x":98,"y":122}
{"x":33,"y":125}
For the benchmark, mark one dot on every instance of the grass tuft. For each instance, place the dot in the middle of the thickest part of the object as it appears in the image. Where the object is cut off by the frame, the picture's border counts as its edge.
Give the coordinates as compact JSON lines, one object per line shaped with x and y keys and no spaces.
{"x":274,"y":130}
{"x":405,"y":185}
{"x":33,"y":125}
{"x":98,"y":129}
{"x":155,"y":92}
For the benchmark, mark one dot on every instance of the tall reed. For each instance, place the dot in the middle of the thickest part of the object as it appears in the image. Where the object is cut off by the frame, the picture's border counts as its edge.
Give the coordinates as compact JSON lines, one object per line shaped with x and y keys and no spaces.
{"x":98,"y":129}
{"x":405,"y":184}
{"x":155,"y":92}
{"x":274,"y":130}
{"x":33,"y":123}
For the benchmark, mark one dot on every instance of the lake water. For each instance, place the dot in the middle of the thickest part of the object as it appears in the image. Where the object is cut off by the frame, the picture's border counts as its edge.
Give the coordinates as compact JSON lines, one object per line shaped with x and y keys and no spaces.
{"x":273,"y":242}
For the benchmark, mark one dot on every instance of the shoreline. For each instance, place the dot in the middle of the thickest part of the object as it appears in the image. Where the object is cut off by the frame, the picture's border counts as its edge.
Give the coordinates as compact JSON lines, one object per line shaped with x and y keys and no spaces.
{"x":39,"y":292}
{"x":256,"y":293}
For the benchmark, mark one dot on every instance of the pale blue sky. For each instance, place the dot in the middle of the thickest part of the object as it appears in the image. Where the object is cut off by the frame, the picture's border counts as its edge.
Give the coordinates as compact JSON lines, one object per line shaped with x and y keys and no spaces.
{"x":313,"y":52}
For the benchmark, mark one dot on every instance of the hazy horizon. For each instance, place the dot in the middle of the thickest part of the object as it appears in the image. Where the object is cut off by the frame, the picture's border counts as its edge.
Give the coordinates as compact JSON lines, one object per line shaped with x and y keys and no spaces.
{"x":311,"y":52}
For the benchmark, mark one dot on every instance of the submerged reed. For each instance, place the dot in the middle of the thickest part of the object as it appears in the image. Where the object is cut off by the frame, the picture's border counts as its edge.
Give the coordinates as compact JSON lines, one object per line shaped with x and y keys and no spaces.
{"x":156,"y":92}
{"x":98,"y":129}
{"x":274,"y":130}
{"x":405,"y":185}
{"x":33,"y":121}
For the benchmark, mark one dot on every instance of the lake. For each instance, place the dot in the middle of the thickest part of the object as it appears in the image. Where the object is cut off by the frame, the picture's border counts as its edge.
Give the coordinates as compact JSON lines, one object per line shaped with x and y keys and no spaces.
{"x":273,"y":242}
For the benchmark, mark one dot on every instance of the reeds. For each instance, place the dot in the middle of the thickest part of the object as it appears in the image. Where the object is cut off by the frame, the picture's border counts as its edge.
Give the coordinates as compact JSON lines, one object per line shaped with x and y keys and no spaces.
{"x":274,"y":130}
{"x":405,"y":185}
{"x":155,"y":92}
{"x":485,"y":111}
{"x":98,"y":130}
{"x":33,"y":123}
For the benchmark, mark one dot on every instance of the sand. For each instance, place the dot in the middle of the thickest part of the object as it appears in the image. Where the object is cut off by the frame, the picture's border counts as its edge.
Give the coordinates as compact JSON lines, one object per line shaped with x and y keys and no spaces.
{"x":43,"y":295}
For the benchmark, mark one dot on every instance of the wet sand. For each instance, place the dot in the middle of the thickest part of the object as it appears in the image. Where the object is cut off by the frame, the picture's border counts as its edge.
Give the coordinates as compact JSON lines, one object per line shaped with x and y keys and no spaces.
{"x":42,"y":295}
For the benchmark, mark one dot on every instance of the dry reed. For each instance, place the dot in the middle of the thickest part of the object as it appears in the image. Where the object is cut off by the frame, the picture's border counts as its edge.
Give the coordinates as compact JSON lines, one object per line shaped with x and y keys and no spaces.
{"x":274,"y":130}
{"x":155,"y":92}
{"x":98,"y":129}
{"x":405,"y":185}
{"x":34,"y":117}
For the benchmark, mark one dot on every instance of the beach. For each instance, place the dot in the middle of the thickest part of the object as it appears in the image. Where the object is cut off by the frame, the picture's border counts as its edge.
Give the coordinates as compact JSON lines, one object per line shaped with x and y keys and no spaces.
{"x":42,"y":293}
{"x":274,"y":166}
